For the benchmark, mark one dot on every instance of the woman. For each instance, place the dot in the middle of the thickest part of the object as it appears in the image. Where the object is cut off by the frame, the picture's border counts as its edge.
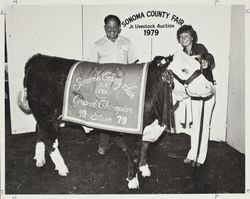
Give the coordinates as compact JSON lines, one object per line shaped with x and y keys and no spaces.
{"x":201,"y":107}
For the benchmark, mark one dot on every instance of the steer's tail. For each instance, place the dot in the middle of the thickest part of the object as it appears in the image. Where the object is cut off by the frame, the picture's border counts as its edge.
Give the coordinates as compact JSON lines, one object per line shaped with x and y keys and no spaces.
{"x":23,"y":102}
{"x":22,"y":95}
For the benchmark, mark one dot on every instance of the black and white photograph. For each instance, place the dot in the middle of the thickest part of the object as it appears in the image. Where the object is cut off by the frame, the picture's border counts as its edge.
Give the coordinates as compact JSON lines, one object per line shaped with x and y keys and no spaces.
{"x":124,"y":99}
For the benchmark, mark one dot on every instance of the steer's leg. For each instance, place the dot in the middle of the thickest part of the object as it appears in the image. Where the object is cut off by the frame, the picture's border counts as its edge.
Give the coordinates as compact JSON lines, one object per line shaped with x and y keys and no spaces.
{"x":48,"y":136}
{"x":58,"y":160}
{"x":143,"y":166}
{"x":132,"y":154}
{"x":40,"y":149}
{"x":47,"y":129}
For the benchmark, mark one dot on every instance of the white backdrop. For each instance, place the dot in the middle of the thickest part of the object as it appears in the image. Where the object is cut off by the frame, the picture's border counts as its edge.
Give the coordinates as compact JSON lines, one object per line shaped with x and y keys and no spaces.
{"x":206,"y":20}
{"x":70,"y":31}
{"x":52,"y":30}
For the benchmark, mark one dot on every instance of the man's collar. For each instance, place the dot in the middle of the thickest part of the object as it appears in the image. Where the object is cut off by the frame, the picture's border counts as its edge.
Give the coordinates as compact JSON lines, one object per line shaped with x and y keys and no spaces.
{"x":118,"y":38}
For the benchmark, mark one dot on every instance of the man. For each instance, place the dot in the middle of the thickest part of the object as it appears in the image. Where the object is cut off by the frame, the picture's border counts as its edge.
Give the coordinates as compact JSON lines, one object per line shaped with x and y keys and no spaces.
{"x":112,"y":48}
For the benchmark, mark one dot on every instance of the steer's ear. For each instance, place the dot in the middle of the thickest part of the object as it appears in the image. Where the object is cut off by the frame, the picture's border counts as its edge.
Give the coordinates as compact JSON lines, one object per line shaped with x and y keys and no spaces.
{"x":169,"y":58}
{"x":157,"y":60}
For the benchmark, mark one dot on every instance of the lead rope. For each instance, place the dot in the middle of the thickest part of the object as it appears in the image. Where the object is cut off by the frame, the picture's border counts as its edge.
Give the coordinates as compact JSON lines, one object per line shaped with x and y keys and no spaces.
{"x":168,"y":113}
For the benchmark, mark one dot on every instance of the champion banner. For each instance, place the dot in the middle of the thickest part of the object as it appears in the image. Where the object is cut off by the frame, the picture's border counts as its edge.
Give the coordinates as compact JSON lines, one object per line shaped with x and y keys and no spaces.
{"x":106,"y":96}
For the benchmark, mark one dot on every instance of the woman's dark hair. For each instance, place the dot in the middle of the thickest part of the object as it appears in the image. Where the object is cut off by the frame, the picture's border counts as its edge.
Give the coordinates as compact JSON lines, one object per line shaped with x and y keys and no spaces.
{"x":107,"y":18}
{"x":187,"y":28}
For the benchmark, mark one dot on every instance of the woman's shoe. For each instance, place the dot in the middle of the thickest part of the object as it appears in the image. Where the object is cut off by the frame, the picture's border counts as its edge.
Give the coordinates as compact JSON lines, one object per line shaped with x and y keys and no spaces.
{"x":197,"y":164}
{"x":187,"y":161}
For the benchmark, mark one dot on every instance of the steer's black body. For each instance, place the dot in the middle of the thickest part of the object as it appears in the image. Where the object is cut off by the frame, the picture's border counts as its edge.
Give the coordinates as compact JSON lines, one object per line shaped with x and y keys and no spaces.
{"x":45,"y":79}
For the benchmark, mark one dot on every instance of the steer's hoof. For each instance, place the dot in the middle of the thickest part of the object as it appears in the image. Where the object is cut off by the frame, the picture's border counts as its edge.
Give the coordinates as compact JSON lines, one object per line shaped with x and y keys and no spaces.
{"x":134,"y":183}
{"x":63,"y":171}
{"x":145,"y":172}
{"x":40,"y":163}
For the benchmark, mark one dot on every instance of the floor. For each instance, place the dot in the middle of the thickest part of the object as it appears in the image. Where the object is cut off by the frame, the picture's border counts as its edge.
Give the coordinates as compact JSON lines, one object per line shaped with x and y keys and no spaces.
{"x":91,"y":173}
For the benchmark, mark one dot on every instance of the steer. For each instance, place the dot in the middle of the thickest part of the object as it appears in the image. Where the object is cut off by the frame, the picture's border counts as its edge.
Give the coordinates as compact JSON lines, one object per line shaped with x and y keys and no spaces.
{"x":44,"y":83}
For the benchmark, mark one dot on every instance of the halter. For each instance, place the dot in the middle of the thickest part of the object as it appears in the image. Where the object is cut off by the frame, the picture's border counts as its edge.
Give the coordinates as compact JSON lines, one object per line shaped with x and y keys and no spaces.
{"x":189,"y":80}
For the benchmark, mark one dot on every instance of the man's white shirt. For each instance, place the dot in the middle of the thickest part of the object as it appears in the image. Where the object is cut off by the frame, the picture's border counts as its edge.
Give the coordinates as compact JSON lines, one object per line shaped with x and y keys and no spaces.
{"x":106,"y":51}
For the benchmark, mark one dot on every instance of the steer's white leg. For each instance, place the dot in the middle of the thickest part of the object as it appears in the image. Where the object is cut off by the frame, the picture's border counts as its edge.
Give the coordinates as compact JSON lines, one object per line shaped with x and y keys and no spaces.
{"x":40,"y":154}
{"x":152,"y":132}
{"x":145,"y":171}
{"x":134,"y":183}
{"x":58,"y":160}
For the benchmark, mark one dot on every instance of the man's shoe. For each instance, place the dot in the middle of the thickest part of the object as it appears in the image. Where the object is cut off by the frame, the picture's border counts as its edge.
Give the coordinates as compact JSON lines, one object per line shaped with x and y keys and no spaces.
{"x":125,"y":149}
{"x":102,"y":150}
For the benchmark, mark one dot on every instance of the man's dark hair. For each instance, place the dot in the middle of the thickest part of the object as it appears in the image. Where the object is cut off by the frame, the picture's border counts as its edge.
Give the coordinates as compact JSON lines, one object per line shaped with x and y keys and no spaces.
{"x":187,"y":28}
{"x":107,"y":18}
